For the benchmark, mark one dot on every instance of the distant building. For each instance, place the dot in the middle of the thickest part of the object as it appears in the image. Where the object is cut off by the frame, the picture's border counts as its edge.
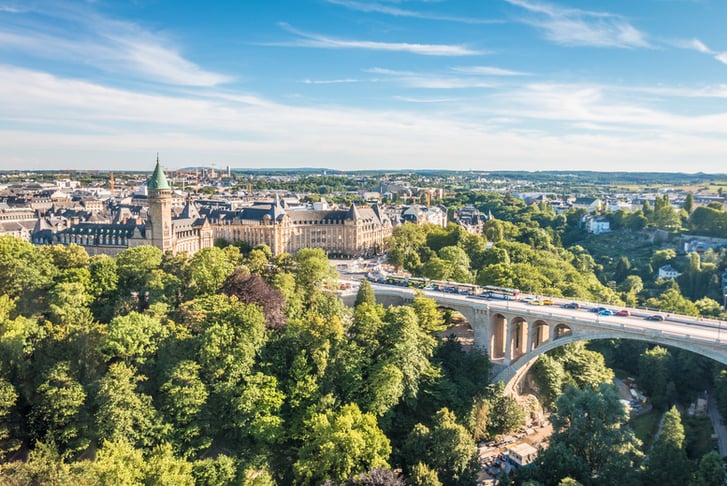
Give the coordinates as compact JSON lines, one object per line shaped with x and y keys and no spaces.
{"x":522,"y":454}
{"x":186,"y":232}
{"x":667,"y":271}
{"x":160,"y":221}
{"x":471,"y":219}
{"x":591,"y":204}
{"x":422,"y":214}
{"x":596,"y":224}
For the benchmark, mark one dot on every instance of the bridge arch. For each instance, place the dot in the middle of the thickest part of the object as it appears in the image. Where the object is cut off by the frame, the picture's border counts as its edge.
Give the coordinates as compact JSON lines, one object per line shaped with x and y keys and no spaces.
{"x":518,"y":338}
{"x":514,"y":373}
{"x":540,"y":331}
{"x":460,"y":326}
{"x":498,"y":336}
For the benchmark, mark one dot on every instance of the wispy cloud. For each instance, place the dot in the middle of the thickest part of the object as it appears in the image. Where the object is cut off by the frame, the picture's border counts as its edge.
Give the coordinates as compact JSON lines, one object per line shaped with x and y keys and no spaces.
{"x":316,"y":40}
{"x":400,"y":12}
{"x":575,"y":27}
{"x":330,"y":81}
{"x":488,"y":71}
{"x":410,"y":99}
{"x":84,"y":122}
{"x":698,"y":45}
{"x":428,"y":81}
{"x":109,"y":45}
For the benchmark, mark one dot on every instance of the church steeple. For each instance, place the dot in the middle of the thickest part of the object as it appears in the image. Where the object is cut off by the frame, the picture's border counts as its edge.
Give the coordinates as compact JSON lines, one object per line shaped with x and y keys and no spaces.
{"x":158,"y":180}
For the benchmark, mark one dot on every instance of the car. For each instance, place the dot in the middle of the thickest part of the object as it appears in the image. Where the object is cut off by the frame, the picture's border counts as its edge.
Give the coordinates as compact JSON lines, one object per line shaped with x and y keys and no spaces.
{"x":527,"y":300}
{"x":548,"y":302}
{"x":605,"y":312}
{"x":571,"y":305}
{"x":655,"y":317}
{"x":623,"y":313}
{"x":536,"y":302}
{"x":597,"y":309}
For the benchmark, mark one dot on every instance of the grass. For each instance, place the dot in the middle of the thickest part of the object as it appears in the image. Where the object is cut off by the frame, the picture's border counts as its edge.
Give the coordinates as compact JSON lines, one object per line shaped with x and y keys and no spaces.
{"x":645,"y":426}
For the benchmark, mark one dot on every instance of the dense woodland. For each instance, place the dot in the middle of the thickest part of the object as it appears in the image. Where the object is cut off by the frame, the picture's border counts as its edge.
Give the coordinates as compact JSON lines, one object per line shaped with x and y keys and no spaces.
{"x":228,"y":368}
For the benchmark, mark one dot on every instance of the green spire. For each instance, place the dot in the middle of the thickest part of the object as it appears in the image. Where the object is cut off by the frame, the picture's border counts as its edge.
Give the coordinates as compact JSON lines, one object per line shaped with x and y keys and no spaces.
{"x":157,"y":179}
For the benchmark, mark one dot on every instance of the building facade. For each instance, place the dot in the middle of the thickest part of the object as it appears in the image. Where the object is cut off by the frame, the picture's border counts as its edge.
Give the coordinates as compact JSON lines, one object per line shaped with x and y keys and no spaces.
{"x":350,"y":233}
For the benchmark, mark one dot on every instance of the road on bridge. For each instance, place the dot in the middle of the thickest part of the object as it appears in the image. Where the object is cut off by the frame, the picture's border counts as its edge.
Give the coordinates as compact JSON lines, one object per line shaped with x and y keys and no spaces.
{"x":672,"y":325}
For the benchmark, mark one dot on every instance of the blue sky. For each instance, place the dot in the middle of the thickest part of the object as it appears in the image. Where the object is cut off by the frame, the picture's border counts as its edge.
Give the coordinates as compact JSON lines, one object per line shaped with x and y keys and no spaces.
{"x":357,"y":84}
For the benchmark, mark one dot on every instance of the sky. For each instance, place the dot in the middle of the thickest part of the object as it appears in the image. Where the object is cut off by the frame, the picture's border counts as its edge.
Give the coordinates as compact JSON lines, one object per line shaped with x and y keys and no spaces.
{"x":486,"y":85}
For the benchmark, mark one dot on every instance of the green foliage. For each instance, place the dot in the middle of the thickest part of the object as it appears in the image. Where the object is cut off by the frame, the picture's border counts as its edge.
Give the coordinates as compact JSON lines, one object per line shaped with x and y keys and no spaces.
{"x":365,"y":294}
{"x":208,"y":268}
{"x":338,"y":445}
{"x":668,"y":463}
{"x":58,"y":415}
{"x":710,"y":471}
{"x":124,"y":414}
{"x":590,"y":438}
{"x":655,"y":367}
{"x":446,"y":448}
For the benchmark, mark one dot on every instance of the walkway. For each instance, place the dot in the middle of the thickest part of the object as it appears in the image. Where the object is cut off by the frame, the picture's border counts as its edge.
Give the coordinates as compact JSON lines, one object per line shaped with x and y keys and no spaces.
{"x":719,"y":427}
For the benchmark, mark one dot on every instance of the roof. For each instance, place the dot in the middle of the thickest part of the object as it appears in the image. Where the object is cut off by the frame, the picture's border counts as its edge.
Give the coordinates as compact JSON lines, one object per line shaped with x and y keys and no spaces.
{"x":157,"y":179}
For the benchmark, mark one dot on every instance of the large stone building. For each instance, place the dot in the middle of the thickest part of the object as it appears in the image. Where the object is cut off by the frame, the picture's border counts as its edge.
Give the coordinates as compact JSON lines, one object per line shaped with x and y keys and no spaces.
{"x":186,"y":232}
{"x":351,"y":232}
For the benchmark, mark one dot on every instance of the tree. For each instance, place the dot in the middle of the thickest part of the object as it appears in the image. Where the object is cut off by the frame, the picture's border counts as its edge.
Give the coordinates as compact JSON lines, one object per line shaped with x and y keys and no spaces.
{"x":132,"y":338}
{"x":183,"y":397}
{"x":365,"y":294}
{"x":208,"y":268}
{"x":135,"y":267}
{"x":253,"y":289}
{"x":591,"y":425}
{"x":9,"y":428}
{"x":119,"y":463}
{"x":710,"y":471}
{"x":446,"y":448}
{"x":655,"y":370}
{"x":24,"y":269}
{"x":668,"y":463}
{"x":688,"y":205}
{"x":164,"y":469}
{"x":338,"y":445}
{"x":314,"y":269}
{"x":123,"y":413}
{"x":422,"y":475}
{"x":429,"y":315}
{"x":58,"y":415}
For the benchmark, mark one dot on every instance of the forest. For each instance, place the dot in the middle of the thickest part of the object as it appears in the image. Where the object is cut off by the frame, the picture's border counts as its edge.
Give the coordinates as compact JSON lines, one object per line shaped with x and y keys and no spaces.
{"x":244,"y":368}
{"x":150,"y":368}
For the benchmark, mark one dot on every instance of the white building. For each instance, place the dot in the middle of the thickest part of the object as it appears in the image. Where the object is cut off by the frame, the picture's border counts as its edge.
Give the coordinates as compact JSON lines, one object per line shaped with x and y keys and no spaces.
{"x":596,"y":224}
{"x":667,"y":271}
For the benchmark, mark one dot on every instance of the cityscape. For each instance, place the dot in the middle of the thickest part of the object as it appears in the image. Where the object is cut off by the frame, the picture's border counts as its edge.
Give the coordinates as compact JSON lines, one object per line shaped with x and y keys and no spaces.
{"x":358,"y":242}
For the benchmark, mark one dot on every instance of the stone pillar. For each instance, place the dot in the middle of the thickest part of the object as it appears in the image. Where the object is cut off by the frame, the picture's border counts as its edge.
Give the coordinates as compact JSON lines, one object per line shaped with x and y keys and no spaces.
{"x":508,"y":341}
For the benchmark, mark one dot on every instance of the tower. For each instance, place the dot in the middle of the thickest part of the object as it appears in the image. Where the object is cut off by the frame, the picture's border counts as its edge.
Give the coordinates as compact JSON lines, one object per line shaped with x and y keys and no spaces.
{"x":159,"y":218}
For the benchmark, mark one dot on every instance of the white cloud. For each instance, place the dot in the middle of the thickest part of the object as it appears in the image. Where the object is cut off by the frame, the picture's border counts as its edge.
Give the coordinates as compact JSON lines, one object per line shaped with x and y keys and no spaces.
{"x":330,"y":81}
{"x":61,"y":122}
{"x":721,"y":57}
{"x":316,"y":40}
{"x":428,"y":81}
{"x":575,"y":27}
{"x":698,"y":45}
{"x":399,"y":12}
{"x":488,"y":71}
{"x":112,"y":46}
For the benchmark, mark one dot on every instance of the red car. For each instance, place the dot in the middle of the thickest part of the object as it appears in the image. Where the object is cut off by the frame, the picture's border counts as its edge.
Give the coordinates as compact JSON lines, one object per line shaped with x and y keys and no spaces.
{"x":623,"y":313}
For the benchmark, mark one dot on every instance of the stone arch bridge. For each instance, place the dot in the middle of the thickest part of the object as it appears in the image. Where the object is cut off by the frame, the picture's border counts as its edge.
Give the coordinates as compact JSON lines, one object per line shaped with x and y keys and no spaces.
{"x":515,"y":333}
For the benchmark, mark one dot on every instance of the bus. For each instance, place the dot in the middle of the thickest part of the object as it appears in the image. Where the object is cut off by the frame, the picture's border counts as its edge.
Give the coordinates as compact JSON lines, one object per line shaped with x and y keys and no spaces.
{"x":406,"y":281}
{"x":455,"y":287}
{"x":504,"y":293}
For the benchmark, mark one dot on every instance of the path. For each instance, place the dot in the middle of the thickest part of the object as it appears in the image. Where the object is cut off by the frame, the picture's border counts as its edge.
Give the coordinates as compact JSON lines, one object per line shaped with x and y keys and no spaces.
{"x":718,"y":425}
